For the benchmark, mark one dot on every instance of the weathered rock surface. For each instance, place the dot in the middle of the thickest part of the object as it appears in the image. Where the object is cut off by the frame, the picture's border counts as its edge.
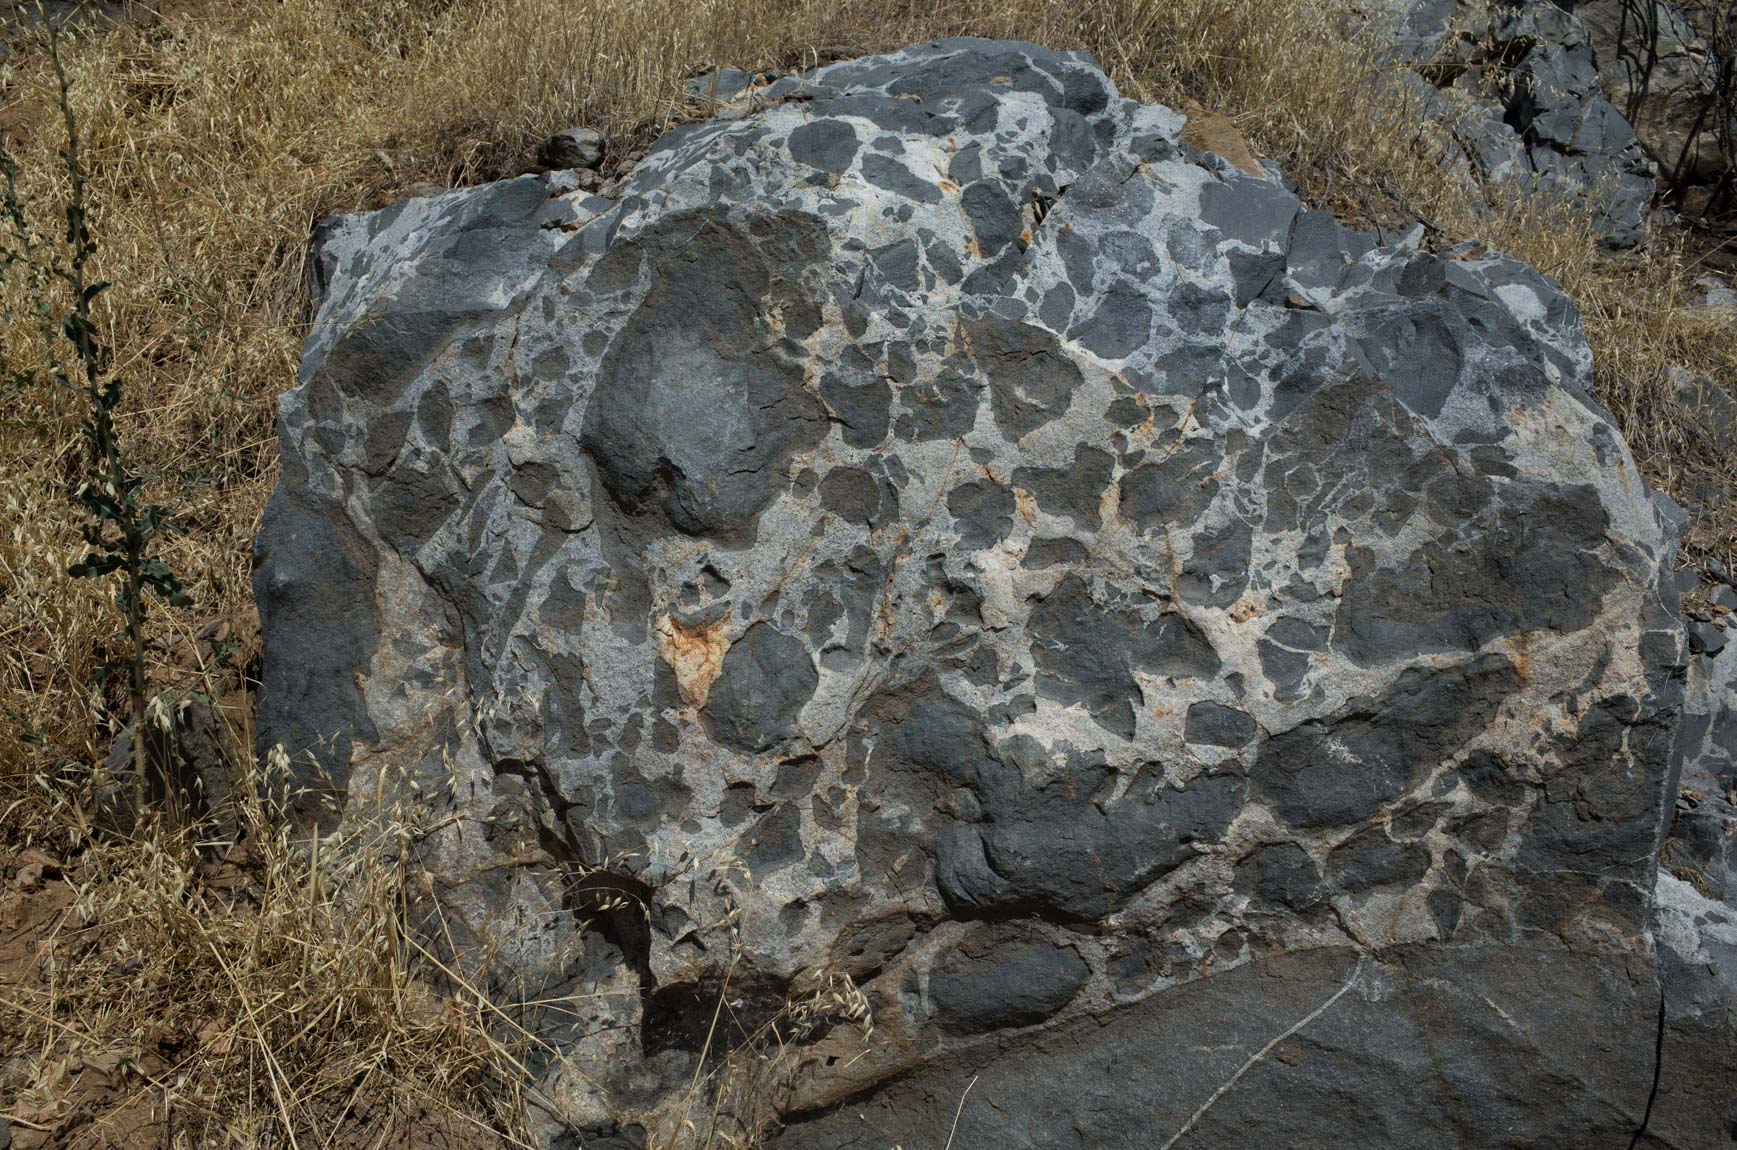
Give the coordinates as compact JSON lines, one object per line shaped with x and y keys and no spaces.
{"x":572,"y":148}
{"x":1195,"y":670}
{"x":1518,"y":84}
{"x":1695,"y":908}
{"x":1660,"y":69}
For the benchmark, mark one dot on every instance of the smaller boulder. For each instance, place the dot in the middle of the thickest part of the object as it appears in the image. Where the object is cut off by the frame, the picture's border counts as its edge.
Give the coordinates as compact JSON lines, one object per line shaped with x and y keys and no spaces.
{"x":724,"y":85}
{"x":1706,"y":638}
{"x":1716,"y":296}
{"x":1710,"y":405}
{"x":572,"y":148}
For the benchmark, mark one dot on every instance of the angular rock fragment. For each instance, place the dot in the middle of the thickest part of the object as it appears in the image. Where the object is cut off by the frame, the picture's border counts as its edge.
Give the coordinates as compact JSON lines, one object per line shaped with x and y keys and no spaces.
{"x":572,"y":148}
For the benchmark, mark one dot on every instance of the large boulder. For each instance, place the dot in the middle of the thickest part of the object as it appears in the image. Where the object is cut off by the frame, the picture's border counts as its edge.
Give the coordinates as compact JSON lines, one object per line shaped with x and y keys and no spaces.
{"x":929,"y":544}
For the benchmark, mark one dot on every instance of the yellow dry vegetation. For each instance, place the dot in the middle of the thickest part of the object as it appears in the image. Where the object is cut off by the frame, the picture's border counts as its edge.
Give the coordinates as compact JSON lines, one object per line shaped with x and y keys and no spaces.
{"x":216,"y":132}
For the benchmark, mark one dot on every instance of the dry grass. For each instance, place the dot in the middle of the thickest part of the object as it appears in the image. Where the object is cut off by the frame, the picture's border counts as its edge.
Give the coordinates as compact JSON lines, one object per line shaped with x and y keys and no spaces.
{"x":218,"y":133}
{"x":265,"y":997}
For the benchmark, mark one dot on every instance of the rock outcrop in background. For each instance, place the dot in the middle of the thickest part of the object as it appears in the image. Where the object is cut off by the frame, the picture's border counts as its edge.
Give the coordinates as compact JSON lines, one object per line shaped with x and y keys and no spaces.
{"x":1517,"y":84}
{"x":1598,"y":104}
{"x":1669,"y":67}
{"x":929,"y":544}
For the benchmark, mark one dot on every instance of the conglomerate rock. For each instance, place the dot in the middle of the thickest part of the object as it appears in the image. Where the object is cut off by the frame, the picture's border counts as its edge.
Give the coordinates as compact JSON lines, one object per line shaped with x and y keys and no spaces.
{"x":925,"y":541}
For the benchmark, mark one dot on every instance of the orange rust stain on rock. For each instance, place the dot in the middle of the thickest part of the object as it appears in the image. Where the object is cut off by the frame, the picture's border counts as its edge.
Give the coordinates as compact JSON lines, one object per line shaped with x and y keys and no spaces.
{"x":1212,"y":132}
{"x":695,"y":654}
{"x":1244,"y":610}
{"x":1521,"y":648}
